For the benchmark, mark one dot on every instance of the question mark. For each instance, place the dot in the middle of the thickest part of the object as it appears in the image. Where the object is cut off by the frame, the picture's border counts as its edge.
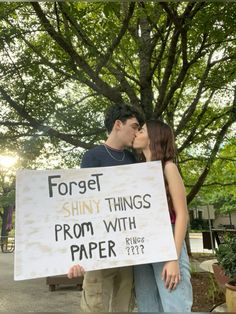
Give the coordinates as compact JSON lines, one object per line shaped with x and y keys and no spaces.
{"x":142,"y":248}
{"x":137,"y":249}
{"x":132,"y":248}
{"x":128,"y":248}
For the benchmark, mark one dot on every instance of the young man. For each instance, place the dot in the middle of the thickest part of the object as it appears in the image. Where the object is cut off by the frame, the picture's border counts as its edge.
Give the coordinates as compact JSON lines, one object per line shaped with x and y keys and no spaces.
{"x":110,"y":290}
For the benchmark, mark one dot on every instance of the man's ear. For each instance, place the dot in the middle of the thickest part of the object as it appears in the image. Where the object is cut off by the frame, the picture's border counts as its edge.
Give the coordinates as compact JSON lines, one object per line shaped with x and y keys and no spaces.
{"x":117,"y":124}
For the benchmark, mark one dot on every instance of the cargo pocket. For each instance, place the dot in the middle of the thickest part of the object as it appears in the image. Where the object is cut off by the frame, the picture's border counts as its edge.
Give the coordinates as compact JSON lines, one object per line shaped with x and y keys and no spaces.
{"x":92,"y":297}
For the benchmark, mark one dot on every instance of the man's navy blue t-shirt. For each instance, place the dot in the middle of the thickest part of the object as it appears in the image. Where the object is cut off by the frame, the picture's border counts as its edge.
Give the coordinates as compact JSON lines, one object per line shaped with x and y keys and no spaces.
{"x":101,"y":156}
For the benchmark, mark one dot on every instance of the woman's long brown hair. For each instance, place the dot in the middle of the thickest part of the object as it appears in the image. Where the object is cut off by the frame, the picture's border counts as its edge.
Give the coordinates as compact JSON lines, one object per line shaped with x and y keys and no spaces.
{"x":162,"y":143}
{"x":162,"y":146}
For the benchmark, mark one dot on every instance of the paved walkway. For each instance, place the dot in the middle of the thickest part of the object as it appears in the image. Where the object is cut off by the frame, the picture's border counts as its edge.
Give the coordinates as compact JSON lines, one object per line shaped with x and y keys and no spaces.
{"x":33,"y":295}
{"x":207,"y":265}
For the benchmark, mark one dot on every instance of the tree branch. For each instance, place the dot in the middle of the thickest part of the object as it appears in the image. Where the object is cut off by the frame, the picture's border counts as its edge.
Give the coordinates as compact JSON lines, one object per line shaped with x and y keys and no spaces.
{"x":161,"y":52}
{"x":194,"y":128}
{"x":78,"y":29}
{"x":188,"y":113}
{"x":219,"y":139}
{"x":106,"y":57}
{"x":215,"y":184}
{"x":36,"y":124}
{"x":170,"y":63}
{"x":146,"y":93}
{"x":100,"y":86}
{"x":13,"y":123}
{"x":172,"y":14}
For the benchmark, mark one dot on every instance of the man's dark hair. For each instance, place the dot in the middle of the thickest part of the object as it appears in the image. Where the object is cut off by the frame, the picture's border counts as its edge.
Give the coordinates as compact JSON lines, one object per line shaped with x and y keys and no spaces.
{"x":121,"y":112}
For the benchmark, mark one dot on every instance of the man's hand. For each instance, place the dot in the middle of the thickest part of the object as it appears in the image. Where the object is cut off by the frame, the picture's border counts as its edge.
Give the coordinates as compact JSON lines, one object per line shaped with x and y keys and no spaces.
{"x":75,"y":271}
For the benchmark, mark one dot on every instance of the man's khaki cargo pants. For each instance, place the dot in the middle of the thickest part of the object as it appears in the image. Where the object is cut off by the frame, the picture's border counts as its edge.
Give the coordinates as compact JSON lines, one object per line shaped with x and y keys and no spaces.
{"x":108,"y":290}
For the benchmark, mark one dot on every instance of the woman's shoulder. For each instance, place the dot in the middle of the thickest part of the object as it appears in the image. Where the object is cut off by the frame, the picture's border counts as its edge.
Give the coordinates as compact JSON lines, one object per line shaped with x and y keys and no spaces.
{"x":171,"y":173}
{"x":170,"y":167}
{"x":169,"y":164}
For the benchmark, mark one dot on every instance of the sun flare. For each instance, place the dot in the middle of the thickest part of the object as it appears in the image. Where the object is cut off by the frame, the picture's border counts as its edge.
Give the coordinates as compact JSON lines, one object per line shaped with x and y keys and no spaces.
{"x":7,"y":161}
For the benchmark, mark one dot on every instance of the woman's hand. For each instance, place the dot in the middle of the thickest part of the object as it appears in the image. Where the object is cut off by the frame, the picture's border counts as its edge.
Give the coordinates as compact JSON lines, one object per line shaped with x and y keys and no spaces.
{"x":171,"y":274}
{"x":75,"y":271}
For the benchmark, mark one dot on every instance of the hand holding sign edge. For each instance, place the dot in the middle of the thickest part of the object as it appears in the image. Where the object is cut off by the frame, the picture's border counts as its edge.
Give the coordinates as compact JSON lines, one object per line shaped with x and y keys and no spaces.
{"x":75,"y":271}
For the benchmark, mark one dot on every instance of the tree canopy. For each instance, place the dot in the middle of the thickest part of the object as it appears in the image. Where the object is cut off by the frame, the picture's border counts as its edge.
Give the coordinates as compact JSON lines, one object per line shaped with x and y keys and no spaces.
{"x":63,"y":63}
{"x":219,"y":187}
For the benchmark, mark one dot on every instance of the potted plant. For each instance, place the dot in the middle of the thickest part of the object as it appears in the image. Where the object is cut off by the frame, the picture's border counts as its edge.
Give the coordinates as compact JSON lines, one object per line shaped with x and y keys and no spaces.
{"x":226,"y":257}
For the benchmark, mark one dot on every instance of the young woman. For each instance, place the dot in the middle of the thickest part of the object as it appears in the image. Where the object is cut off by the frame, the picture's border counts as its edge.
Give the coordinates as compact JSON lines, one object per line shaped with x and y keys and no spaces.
{"x":165,"y":286}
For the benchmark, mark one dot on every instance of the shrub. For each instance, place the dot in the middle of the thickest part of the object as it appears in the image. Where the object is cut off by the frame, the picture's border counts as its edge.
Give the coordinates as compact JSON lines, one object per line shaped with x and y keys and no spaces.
{"x":226,"y":256}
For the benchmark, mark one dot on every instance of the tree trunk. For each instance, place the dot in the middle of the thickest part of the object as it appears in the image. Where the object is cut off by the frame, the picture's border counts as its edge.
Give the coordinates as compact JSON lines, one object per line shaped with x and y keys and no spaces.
{"x":4,"y":232}
{"x":187,"y":240}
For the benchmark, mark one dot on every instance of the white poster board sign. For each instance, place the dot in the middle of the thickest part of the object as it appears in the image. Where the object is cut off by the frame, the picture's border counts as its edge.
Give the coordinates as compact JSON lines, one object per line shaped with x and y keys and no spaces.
{"x":97,"y":217}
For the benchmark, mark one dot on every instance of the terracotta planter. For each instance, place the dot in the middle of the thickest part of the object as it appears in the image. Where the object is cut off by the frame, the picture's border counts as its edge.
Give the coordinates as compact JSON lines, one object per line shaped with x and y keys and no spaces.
{"x":230,"y":296}
{"x":220,"y":276}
